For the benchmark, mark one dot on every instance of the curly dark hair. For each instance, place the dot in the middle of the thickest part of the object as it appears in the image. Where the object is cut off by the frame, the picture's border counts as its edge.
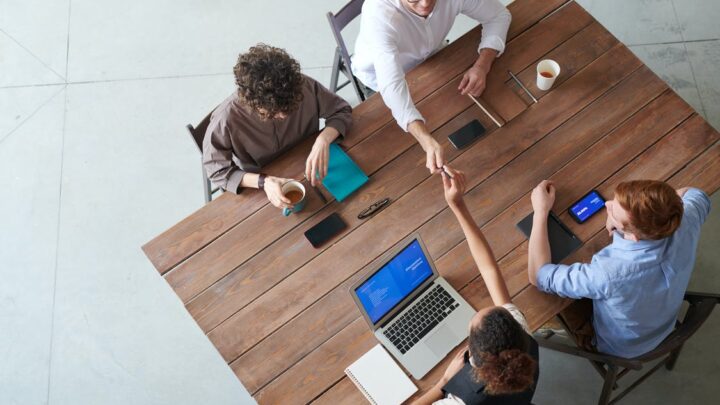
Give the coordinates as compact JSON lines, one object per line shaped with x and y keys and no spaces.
{"x":499,"y":348}
{"x":269,"y":80}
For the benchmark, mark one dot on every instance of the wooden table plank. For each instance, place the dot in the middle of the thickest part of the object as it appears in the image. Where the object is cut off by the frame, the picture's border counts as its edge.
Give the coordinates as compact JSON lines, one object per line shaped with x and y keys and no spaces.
{"x":703,"y":172}
{"x":342,"y":393}
{"x":197,"y":231}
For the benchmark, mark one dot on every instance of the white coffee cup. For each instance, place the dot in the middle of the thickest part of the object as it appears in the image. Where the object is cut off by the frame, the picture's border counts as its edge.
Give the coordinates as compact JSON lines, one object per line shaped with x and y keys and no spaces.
{"x":547,"y":71}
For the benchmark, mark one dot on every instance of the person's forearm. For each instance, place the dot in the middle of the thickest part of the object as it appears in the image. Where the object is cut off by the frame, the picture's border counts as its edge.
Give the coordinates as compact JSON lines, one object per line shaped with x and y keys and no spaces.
{"x":434,"y":394}
{"x":538,"y":247}
{"x":482,"y":254}
{"x":329,"y":134}
{"x":485,"y":59}
{"x":418,"y":130}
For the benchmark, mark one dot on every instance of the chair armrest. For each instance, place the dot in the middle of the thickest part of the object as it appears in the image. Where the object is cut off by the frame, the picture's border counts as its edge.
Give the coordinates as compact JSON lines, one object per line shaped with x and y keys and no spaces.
{"x":692,"y":296}
{"x":603,"y":358}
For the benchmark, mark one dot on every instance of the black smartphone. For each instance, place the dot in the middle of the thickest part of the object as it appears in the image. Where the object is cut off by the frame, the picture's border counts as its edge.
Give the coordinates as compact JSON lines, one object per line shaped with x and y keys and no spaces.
{"x":466,"y":135}
{"x":325,"y":229}
{"x":589,"y":205}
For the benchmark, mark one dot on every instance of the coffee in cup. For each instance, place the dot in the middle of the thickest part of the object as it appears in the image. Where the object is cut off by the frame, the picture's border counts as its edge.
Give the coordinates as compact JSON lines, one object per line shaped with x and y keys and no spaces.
{"x":547,"y":71}
{"x":294,"y":191}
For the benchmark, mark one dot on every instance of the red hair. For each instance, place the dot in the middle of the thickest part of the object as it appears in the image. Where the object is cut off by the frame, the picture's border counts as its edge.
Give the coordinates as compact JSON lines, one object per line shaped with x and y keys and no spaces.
{"x":655,"y":209}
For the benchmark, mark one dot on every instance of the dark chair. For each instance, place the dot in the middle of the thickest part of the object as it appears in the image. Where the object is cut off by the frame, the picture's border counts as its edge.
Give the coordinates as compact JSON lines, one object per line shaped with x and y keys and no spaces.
{"x":612,"y":368}
{"x":198,"y":134}
{"x":341,"y":62}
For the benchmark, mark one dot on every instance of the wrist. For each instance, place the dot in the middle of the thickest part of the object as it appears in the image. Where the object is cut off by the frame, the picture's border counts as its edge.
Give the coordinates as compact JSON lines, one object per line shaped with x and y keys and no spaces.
{"x":457,"y":206}
{"x":541,"y":216}
{"x":327,"y":136}
{"x":261,"y":181}
{"x":485,"y":59}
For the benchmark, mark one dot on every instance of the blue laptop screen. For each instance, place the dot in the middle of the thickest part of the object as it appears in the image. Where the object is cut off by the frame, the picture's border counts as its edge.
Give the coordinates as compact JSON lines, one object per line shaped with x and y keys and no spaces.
{"x":394,"y":281}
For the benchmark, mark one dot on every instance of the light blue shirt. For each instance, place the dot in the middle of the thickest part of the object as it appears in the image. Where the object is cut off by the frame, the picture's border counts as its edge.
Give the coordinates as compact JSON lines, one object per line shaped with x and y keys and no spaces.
{"x":637,"y":288}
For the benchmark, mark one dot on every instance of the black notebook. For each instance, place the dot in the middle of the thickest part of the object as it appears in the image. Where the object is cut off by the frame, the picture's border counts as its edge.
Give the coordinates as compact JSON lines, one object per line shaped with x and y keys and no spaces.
{"x":562,"y":240}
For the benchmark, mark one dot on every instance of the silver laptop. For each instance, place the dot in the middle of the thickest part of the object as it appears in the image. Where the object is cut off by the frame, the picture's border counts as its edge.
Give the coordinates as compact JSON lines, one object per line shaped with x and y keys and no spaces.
{"x":414,"y":312}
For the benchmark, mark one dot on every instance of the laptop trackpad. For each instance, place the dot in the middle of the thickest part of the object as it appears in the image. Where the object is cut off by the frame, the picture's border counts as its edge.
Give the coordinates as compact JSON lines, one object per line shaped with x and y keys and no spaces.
{"x":441,"y":341}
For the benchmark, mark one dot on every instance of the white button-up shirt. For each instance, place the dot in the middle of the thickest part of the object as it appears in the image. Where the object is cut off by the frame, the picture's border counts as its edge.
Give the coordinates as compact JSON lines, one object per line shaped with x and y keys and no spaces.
{"x":393,"y":40}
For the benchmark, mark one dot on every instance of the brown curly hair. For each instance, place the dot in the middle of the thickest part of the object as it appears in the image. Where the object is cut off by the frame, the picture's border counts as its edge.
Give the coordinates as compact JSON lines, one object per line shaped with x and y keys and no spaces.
{"x":655,"y":208}
{"x":499,"y":348}
{"x":269,"y":80}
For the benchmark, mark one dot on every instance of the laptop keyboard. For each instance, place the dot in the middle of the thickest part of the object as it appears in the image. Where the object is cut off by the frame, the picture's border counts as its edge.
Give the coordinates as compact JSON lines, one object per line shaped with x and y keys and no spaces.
{"x":425,"y":314}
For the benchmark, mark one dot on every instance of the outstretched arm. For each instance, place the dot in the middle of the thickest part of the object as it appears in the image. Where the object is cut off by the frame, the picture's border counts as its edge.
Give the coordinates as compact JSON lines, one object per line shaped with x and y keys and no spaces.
{"x":543,"y":197}
{"x":479,"y":247}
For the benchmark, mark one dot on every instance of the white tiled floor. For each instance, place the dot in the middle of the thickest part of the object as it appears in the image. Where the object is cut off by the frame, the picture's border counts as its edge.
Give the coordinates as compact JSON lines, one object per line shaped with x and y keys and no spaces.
{"x":94,"y":161}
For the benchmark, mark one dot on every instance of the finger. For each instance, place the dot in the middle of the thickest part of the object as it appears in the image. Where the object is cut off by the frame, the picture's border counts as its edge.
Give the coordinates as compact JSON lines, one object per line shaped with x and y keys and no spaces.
{"x":463,"y":83}
{"x":430,"y":162}
{"x":447,"y":182}
{"x":472,"y":85}
{"x":308,"y":168}
{"x":439,"y":159}
{"x":313,"y":173}
{"x":324,"y":165}
{"x":449,"y":170}
{"x":478,"y":90}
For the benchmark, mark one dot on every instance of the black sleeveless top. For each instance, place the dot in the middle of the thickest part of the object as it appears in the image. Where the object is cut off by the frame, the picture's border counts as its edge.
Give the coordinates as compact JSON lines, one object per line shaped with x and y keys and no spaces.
{"x":464,"y":386}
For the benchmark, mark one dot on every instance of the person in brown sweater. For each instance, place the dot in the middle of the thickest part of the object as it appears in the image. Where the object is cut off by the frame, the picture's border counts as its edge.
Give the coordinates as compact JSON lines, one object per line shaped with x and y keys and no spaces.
{"x":274,"y":108}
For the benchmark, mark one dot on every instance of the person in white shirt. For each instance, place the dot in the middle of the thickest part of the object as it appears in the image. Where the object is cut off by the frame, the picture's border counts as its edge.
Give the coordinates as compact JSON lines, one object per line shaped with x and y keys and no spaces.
{"x":500,"y":363}
{"x":397,"y":35}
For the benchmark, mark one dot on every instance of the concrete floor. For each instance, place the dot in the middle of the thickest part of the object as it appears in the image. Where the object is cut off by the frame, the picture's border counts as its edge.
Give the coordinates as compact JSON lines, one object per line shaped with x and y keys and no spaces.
{"x":94,"y":161}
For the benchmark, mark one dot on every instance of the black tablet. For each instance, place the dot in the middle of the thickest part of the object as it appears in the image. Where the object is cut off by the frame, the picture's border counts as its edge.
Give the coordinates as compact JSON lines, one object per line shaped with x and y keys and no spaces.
{"x":562,"y":240}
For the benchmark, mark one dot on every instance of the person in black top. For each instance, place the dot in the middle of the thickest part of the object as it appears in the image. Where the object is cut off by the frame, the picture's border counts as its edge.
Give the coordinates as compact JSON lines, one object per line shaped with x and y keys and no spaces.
{"x":499,"y":365}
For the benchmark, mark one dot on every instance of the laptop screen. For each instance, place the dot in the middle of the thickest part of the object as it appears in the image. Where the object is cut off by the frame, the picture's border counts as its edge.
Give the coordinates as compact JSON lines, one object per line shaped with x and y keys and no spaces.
{"x":394,"y":281}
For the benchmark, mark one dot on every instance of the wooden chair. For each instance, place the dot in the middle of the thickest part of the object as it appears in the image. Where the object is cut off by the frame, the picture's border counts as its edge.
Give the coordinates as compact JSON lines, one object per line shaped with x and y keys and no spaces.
{"x":341,"y":61}
{"x":198,"y":134}
{"x":612,"y":368}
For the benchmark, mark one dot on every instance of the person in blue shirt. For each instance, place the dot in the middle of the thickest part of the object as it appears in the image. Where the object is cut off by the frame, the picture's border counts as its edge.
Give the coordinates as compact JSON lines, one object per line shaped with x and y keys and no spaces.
{"x":637,"y":283}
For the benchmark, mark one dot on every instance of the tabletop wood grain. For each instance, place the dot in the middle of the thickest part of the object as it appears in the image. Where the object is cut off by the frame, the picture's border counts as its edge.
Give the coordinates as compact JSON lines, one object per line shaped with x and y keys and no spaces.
{"x":279,"y":311}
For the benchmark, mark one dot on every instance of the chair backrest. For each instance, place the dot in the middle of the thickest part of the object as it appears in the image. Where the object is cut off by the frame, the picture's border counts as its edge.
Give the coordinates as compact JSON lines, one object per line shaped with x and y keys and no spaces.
{"x":701,"y":306}
{"x":339,"y":21}
{"x":198,"y":132}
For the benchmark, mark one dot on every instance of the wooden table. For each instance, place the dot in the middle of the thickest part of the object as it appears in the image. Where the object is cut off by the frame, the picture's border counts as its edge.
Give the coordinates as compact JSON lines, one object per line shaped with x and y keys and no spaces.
{"x":280,"y":312}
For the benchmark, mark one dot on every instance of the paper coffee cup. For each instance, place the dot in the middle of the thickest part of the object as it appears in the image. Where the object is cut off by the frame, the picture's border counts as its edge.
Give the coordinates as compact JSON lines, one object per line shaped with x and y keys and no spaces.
{"x":547,"y":71}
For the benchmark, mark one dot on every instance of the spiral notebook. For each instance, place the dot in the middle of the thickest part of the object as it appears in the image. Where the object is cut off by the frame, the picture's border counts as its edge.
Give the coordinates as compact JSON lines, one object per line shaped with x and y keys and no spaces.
{"x":380,"y":379}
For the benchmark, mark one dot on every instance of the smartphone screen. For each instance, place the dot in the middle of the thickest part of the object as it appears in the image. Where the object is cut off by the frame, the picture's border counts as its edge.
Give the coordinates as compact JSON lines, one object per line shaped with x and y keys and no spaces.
{"x":467,"y":134}
{"x":325,"y":229}
{"x":587,"y":206}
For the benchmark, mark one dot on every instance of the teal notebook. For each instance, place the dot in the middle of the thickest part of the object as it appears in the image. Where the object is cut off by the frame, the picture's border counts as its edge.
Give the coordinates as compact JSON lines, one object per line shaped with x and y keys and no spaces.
{"x":344,"y":176}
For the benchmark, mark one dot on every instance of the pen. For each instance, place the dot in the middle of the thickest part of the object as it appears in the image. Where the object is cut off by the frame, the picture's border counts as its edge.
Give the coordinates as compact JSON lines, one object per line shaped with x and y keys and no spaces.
{"x":521,"y":86}
{"x":322,"y":197}
{"x":484,"y":110}
{"x":445,"y":172}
